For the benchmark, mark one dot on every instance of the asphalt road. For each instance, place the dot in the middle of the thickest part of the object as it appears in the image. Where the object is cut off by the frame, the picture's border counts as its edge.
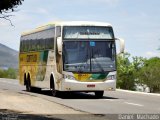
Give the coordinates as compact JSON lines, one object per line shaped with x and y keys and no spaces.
{"x":113,"y":102}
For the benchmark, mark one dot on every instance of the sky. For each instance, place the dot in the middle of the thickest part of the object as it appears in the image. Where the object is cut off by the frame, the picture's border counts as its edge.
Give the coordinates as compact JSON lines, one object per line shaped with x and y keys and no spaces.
{"x":136,"y":21}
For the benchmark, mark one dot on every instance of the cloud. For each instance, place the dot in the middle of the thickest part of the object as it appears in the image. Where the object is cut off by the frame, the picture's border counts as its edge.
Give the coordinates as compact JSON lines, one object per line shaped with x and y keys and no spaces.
{"x":4,"y":23}
{"x":106,"y":1}
{"x":150,"y":54}
{"x":42,"y":11}
{"x":95,"y":2}
{"x":109,"y":1}
{"x":37,"y":10}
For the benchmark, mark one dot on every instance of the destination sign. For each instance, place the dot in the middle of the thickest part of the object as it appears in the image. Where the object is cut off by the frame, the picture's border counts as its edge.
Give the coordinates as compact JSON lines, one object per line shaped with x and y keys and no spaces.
{"x":89,"y":33}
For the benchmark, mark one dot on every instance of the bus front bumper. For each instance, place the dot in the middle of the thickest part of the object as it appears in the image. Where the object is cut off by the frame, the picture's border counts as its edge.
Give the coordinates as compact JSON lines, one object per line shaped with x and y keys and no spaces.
{"x":71,"y":85}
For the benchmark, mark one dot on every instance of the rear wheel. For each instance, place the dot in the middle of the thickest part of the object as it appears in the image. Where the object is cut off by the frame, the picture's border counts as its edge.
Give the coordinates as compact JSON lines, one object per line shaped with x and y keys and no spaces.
{"x":99,"y":94}
{"x":28,"y":84}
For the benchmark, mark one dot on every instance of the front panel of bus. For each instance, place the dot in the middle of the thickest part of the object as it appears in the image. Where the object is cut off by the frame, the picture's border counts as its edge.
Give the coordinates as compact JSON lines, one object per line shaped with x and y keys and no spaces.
{"x":89,"y":58}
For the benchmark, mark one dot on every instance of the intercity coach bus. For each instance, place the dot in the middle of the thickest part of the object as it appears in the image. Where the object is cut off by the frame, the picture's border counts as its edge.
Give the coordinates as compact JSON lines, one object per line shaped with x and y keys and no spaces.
{"x":69,"y":56}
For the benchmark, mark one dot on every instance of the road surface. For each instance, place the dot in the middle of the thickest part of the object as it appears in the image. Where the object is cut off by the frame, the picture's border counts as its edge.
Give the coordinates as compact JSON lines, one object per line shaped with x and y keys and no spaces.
{"x":113,"y":102}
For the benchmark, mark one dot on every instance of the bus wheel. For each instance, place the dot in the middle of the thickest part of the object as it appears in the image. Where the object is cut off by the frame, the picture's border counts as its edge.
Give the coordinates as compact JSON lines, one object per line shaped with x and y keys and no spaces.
{"x":28,"y":84}
{"x":52,"y":87}
{"x":99,"y":94}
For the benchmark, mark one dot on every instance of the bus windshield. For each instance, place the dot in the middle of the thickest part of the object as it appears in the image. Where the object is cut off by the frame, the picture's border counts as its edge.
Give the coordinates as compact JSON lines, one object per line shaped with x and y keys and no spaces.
{"x":89,"y":56}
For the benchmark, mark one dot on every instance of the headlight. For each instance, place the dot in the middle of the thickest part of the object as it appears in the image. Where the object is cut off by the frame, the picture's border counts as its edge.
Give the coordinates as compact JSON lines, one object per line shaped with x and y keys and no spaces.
{"x":111,"y":77}
{"x":69,"y":77}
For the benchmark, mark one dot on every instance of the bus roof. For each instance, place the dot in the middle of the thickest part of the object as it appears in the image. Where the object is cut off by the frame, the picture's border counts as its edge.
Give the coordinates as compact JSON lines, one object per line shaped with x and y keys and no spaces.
{"x":65,"y":23}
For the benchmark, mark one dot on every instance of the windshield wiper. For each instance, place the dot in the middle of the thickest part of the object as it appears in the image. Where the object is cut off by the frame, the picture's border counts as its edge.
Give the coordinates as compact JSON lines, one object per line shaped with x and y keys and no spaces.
{"x":99,"y":66}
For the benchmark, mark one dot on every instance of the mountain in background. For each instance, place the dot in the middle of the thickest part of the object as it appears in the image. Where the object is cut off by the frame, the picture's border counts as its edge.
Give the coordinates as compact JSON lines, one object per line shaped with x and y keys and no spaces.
{"x":8,"y":57}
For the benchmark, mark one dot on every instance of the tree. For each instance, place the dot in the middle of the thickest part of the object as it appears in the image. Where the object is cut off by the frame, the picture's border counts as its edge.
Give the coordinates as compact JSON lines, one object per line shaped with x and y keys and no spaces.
{"x":138,"y":63}
{"x":128,"y":72}
{"x":125,"y":70}
{"x":7,"y":6}
{"x":10,"y":73}
{"x":140,"y":71}
{"x":2,"y":74}
{"x":149,"y":74}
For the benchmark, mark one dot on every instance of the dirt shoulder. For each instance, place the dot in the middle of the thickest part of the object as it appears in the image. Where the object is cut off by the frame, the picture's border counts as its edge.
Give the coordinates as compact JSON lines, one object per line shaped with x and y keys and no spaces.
{"x":31,"y":104}
{"x":17,"y":106}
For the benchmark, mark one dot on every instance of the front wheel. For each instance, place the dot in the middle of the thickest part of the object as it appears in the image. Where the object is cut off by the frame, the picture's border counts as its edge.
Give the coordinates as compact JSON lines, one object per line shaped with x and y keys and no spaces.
{"x":52,"y":87}
{"x":99,"y":94}
{"x":54,"y":92}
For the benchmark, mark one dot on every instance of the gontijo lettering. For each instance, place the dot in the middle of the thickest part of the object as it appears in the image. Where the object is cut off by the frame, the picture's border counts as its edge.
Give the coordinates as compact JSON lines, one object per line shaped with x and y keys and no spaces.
{"x":31,"y":58}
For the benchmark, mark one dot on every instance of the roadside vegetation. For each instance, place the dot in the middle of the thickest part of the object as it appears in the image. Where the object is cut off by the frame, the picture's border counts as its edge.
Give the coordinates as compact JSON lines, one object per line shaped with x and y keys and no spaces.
{"x":9,"y":73}
{"x":138,"y":71}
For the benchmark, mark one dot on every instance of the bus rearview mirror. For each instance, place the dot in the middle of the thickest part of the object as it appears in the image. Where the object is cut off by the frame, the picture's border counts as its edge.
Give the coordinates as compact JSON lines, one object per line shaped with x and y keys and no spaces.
{"x":122,"y":44}
{"x":59,"y":45}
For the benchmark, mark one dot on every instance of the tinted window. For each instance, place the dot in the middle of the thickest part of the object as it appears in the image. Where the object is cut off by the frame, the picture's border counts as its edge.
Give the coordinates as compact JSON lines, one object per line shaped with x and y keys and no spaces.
{"x":38,"y":41}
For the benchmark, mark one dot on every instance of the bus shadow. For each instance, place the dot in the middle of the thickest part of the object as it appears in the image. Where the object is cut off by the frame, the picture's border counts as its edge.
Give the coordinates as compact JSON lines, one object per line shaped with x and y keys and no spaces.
{"x":72,"y":95}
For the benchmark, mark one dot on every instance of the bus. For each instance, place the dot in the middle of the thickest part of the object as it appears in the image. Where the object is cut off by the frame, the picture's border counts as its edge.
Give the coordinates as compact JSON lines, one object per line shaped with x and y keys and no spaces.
{"x":69,"y":56}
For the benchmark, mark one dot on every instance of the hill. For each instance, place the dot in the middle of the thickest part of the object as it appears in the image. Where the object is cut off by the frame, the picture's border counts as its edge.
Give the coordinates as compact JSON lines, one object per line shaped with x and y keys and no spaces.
{"x":8,"y":57}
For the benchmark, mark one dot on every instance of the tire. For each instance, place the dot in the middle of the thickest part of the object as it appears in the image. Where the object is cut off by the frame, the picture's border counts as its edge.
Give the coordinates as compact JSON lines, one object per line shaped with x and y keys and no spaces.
{"x":28,"y":84}
{"x":52,"y":87}
{"x":99,"y":94}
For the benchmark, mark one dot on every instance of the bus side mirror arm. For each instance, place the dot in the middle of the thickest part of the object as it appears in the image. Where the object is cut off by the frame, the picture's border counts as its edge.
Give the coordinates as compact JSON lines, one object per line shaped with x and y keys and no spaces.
{"x":122,"y":44}
{"x":59,"y":45}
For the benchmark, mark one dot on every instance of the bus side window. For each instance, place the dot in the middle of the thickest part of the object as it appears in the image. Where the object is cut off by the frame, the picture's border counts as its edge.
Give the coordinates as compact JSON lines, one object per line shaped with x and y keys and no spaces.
{"x":34,"y":42}
{"x":43,"y":44}
{"x":37,"y":38}
{"x":33,"y":45}
{"x":58,"y":31}
{"x":42,"y":40}
{"x":38,"y":44}
{"x":31,"y":42}
{"x":30,"y":45}
{"x":21,"y":44}
{"x":27,"y":44}
{"x":47,"y":40}
{"x":24,"y":45}
{"x":49,"y":43}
